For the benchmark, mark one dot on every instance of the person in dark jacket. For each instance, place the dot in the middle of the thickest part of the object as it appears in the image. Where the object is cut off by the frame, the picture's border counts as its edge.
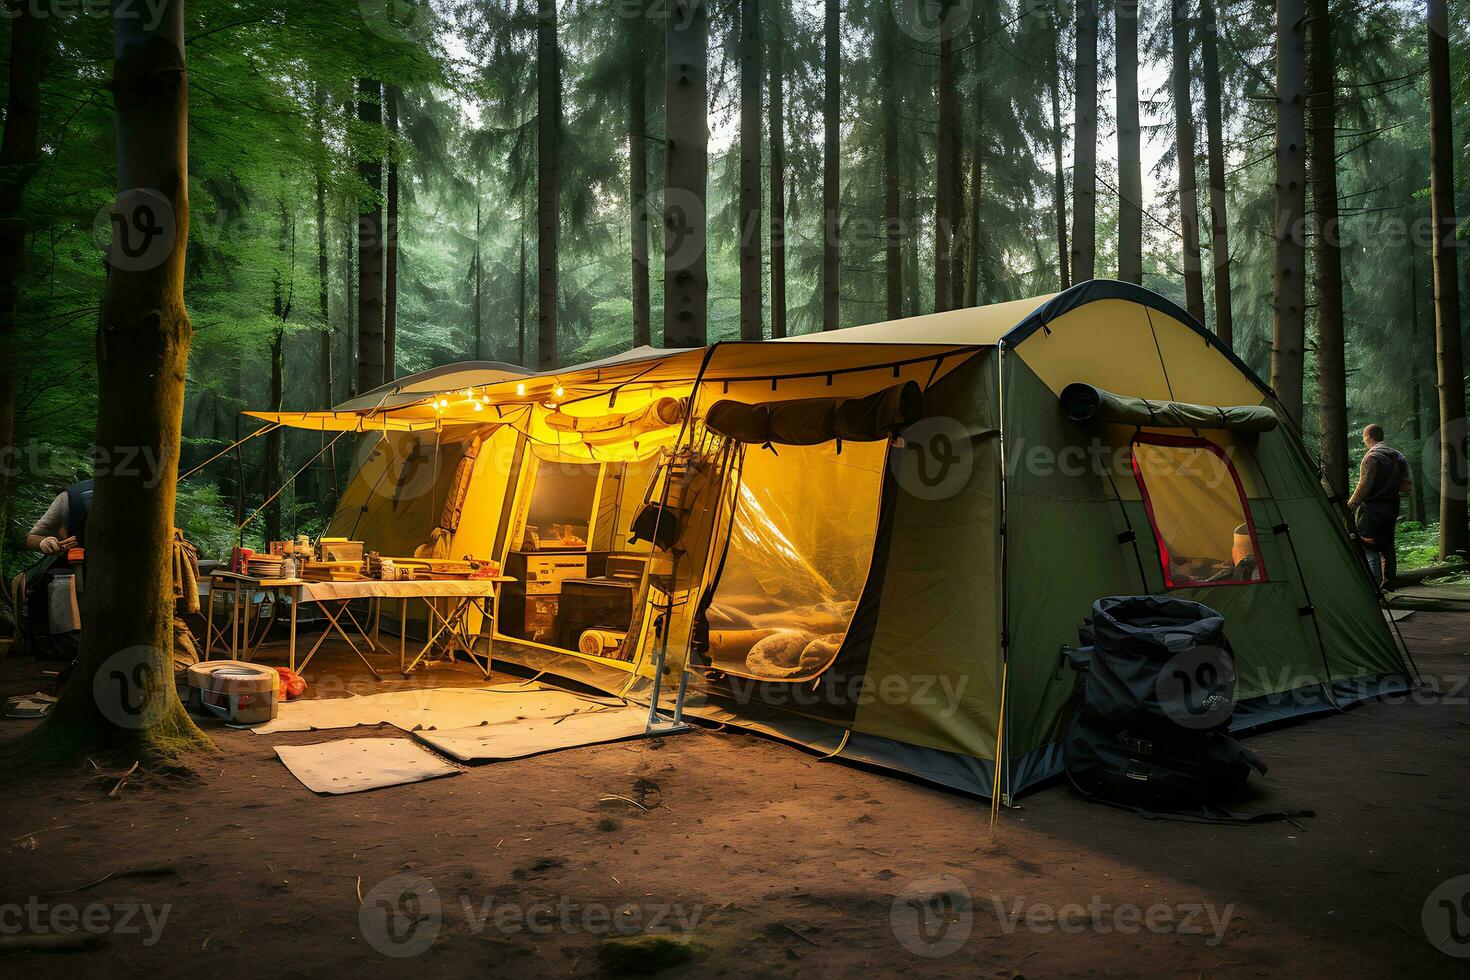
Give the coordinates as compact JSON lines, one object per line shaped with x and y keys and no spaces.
{"x":1382,"y":477}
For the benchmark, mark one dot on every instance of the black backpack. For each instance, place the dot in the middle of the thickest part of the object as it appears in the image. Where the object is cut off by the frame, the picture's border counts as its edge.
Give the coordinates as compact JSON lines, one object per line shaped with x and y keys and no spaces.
{"x":1155,"y":695}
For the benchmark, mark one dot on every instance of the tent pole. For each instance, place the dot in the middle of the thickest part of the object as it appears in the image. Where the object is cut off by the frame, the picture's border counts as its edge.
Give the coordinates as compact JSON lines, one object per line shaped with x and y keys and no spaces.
{"x":1001,"y":783}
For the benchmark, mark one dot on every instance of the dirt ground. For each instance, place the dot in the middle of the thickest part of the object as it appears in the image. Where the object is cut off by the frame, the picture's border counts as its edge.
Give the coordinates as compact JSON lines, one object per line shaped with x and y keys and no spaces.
{"x":771,"y":861}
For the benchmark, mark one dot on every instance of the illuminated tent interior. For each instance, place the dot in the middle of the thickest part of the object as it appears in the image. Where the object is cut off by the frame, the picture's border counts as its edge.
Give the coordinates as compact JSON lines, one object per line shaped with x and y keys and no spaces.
{"x":873,"y":541}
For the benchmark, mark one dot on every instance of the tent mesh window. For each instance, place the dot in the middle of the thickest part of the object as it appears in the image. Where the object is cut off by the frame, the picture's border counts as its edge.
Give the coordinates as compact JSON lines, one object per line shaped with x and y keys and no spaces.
{"x":1198,"y":509}
{"x":801,"y":549}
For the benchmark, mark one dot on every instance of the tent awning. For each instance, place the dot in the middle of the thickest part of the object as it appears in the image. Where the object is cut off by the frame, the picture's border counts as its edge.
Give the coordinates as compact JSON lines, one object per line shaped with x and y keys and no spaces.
{"x":1085,"y":403}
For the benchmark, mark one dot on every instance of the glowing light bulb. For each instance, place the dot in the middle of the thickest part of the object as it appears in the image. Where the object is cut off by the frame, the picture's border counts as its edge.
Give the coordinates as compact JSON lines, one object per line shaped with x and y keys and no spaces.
{"x":521,"y":388}
{"x":479,"y":407}
{"x":559,"y":391}
{"x":485,"y":399}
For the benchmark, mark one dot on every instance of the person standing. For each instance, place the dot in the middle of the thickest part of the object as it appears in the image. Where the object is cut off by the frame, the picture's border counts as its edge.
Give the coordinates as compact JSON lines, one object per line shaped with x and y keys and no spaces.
{"x":1382,"y":477}
{"x":65,"y":518}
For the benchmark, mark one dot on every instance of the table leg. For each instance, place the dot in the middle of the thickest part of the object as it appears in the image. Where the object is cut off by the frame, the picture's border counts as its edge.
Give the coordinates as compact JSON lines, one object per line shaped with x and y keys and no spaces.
{"x":209,"y":626}
{"x":295,"y":591}
{"x":234,"y":619}
{"x":244,"y":629}
{"x":402,"y":633}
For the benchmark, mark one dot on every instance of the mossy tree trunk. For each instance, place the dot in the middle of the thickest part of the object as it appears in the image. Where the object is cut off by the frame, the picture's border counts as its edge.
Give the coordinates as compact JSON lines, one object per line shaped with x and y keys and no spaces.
{"x":1290,"y":324}
{"x":18,"y":155}
{"x":122,"y":695}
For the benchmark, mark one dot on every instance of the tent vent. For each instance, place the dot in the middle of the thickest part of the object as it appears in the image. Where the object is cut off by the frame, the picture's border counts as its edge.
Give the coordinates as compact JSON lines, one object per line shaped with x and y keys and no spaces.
{"x":1127,"y":537}
{"x":1307,"y":611}
{"x":1281,"y":529}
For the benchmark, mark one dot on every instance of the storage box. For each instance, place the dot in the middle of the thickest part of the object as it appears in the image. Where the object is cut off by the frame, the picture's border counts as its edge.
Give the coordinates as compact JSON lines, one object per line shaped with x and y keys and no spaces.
{"x":341,"y":549}
{"x":239,"y":692}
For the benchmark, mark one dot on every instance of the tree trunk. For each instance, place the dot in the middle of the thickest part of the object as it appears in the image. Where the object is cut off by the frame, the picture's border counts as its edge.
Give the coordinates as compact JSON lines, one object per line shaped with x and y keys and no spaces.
{"x":977,"y":184}
{"x":521,"y":302}
{"x":776,"y":108}
{"x":892,"y":220}
{"x":1084,"y":147}
{"x":479,"y":277}
{"x":18,"y":155}
{"x":1417,"y":510}
{"x":1059,"y":173}
{"x":281,"y":311}
{"x":370,"y":357}
{"x":751,"y":327}
{"x":390,"y":246}
{"x":324,"y":365}
{"x":349,"y":280}
{"x":831,"y":162}
{"x":1215,"y":147}
{"x":122,"y":692}
{"x":1291,"y":207}
{"x":548,"y":180}
{"x":1327,"y":252}
{"x":943,"y":167}
{"x":638,"y":179}
{"x":1130,"y":155}
{"x":686,"y":168}
{"x":1454,"y":536}
{"x":1194,"y":282}
{"x":273,"y":446}
{"x":911,"y":244}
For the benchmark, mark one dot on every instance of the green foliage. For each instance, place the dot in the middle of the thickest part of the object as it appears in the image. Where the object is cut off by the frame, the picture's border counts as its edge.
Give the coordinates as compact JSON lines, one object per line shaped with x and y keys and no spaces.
{"x":273,"y":118}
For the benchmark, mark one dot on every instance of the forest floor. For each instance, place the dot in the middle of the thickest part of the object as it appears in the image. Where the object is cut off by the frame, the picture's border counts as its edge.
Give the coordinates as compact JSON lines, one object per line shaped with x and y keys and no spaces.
{"x":768,"y":860}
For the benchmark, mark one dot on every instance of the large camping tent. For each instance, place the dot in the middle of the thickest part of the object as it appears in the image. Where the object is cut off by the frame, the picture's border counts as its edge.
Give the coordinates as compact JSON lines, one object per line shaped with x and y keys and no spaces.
{"x":874,"y":541}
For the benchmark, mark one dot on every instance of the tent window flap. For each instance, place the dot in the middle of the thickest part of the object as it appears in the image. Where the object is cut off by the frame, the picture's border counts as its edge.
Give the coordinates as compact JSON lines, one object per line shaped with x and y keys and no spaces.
{"x":1198,"y":510}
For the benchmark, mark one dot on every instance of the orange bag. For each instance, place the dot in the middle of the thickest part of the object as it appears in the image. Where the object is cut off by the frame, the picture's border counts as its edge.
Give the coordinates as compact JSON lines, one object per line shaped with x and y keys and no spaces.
{"x":293,"y":685}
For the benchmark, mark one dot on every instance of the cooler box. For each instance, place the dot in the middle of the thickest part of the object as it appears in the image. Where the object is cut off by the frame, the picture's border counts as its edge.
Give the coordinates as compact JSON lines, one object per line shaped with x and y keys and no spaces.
{"x":238,"y":692}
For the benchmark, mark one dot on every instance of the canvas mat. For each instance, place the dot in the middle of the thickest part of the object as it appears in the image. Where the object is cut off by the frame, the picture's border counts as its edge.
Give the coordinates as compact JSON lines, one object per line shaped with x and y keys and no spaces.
{"x":437,"y":708}
{"x":516,"y":741}
{"x":351,"y":765}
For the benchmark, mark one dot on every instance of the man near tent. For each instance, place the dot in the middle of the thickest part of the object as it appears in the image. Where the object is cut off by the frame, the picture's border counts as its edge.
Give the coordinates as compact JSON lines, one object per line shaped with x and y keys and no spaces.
{"x":1383,"y":475}
{"x":65,"y":518}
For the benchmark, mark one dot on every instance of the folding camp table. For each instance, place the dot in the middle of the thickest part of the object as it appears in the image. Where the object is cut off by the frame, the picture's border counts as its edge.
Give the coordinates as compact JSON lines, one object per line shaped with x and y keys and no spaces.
{"x":335,"y":598}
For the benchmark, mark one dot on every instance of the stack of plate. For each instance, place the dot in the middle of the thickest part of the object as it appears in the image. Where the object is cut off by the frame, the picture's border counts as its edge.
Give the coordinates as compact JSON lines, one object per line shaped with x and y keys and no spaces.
{"x":265,"y":566}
